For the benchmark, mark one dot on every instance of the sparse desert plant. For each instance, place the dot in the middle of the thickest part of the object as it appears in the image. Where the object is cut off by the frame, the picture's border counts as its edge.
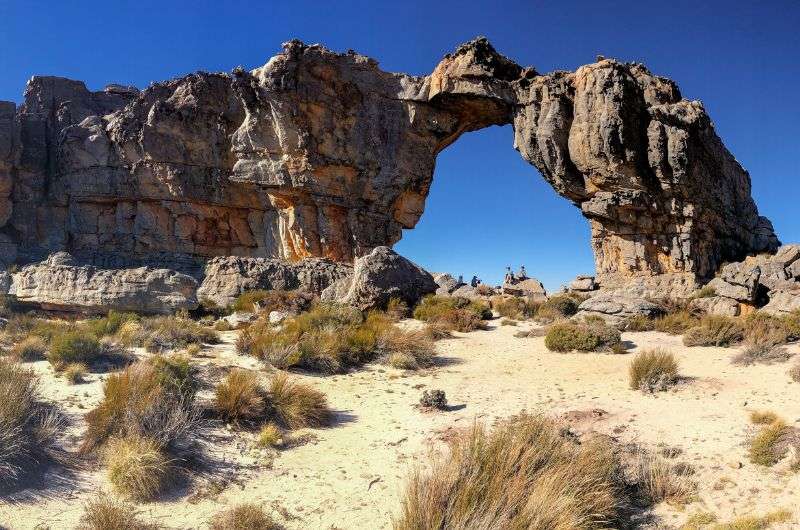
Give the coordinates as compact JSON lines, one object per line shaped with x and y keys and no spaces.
{"x":515,"y":307}
{"x":136,"y":466}
{"x":653,"y":370}
{"x":578,"y":336}
{"x":706,"y":291}
{"x":222,"y":325}
{"x":31,"y":348}
{"x":240,"y":398}
{"x":714,"y":330}
{"x":433,"y":399}
{"x":436,"y":331}
{"x":296,"y":405}
{"x":659,"y":481}
{"x":794,"y":372}
{"x":763,"y":335}
{"x":639,"y":323}
{"x":675,"y":323}
{"x":397,"y":309}
{"x":557,"y":307}
{"x":27,"y":427}
{"x":143,"y":400}
{"x":103,"y":512}
{"x":698,"y":521}
{"x":75,"y":373}
{"x":165,"y":333}
{"x":277,"y":300}
{"x":755,"y":522}
{"x":508,"y":322}
{"x":413,"y":345}
{"x":74,"y":347}
{"x":763,"y":417}
{"x":771,"y":443}
{"x":523,"y":474}
{"x":270,"y":436}
{"x":244,"y":517}
{"x":484,"y":290}
{"x":110,"y":324}
{"x":454,"y":310}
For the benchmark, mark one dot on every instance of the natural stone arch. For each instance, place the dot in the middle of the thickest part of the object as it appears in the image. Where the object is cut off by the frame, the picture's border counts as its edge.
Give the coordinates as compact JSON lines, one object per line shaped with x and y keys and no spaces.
{"x":324,"y":154}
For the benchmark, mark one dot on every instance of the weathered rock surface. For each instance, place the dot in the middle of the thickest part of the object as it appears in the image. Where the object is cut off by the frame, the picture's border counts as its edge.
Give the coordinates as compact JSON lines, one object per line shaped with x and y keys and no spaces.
{"x":226,"y":278}
{"x":529,"y":287}
{"x":738,"y":281}
{"x":583,"y":284}
{"x":447,"y":284}
{"x":379,"y":276}
{"x":783,"y":302}
{"x":617,"y":309}
{"x":716,"y":305}
{"x":57,"y":284}
{"x":319,"y":154}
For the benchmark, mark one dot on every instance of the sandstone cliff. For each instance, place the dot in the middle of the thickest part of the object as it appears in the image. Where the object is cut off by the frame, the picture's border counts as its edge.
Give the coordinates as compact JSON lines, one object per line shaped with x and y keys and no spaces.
{"x":319,"y":154}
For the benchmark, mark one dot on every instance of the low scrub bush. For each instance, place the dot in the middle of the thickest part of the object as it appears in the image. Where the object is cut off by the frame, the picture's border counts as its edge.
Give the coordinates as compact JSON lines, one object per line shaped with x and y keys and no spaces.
{"x":166,"y":333}
{"x":266,"y":301}
{"x":763,"y":417}
{"x":75,"y":373}
{"x":296,"y":405}
{"x":240,"y":399}
{"x":244,"y":517}
{"x":515,"y":307}
{"x":397,"y":309}
{"x":31,"y":348}
{"x":106,"y":513}
{"x":715,"y":330}
{"x":28,"y":428}
{"x":110,"y":324}
{"x":74,"y":347}
{"x":658,"y":481}
{"x":460,"y":312}
{"x":771,"y":443}
{"x":270,"y":436}
{"x":578,"y":336}
{"x":147,"y":399}
{"x":557,"y":307}
{"x":652,"y":371}
{"x":676,"y":323}
{"x":136,"y":466}
{"x":762,"y":339}
{"x":639,"y":323}
{"x":433,"y":399}
{"x":524,"y":474}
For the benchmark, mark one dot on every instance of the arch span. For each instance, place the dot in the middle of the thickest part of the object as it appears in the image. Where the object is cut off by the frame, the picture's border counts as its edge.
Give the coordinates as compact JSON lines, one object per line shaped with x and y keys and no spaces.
{"x":324,"y":154}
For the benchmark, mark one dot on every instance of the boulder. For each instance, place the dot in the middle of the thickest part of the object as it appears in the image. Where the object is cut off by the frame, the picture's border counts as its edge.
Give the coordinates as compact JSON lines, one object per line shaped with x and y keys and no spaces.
{"x":529,"y":287}
{"x":447,"y":284}
{"x":616,"y":309}
{"x":276,"y":317}
{"x":228,"y":277}
{"x":583,"y":283}
{"x":379,"y":276}
{"x":58,"y":284}
{"x":238,"y":319}
{"x":716,"y":305}
{"x":782,"y":302}
{"x":738,"y":281}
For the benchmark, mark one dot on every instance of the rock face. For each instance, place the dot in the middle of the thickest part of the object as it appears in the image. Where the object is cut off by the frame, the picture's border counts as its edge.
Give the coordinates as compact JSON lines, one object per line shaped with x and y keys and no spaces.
{"x":57,"y":284}
{"x":529,"y":287}
{"x":617,"y":309}
{"x":227,"y":278}
{"x":583,"y":284}
{"x":319,"y":154}
{"x":379,"y":276}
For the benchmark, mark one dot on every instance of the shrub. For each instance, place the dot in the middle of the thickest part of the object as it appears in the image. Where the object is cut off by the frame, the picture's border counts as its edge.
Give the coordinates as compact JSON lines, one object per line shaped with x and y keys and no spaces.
{"x":653,"y":370}
{"x":658,"y":481}
{"x":794,"y":372}
{"x":769,"y":446}
{"x":676,"y":323}
{"x":706,"y":291}
{"x":762,"y":336}
{"x":222,"y":325}
{"x":397,"y":309}
{"x":507,"y":322}
{"x":110,"y":324}
{"x":143,"y":400}
{"x":73,"y":347}
{"x":75,"y":373}
{"x":436,"y":331}
{"x":461,"y":320}
{"x":244,"y":517}
{"x":296,"y":405}
{"x":514,"y":307}
{"x":270,"y":436}
{"x":433,"y":399}
{"x":524,"y":474}
{"x":413,"y":345}
{"x":266,"y":301}
{"x":715,"y":330}
{"x":557,"y":307}
{"x":453,"y":310}
{"x":763,"y":417}
{"x":240,"y":399}
{"x":569,"y":336}
{"x":164,"y":333}
{"x":31,"y":348}
{"x":105,"y":513}
{"x":176,"y":374}
{"x":136,"y":466}
{"x":27,"y":427}
{"x":639,"y":323}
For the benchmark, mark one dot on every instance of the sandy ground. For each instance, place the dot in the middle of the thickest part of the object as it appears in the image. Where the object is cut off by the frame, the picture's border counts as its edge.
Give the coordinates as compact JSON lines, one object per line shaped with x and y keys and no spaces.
{"x":350,"y":476}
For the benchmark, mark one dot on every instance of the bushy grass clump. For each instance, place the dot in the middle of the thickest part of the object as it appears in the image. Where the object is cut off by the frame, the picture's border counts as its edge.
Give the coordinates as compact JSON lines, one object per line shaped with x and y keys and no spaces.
{"x":658,"y":481}
{"x":75,"y":373}
{"x":763,"y":417}
{"x":557,"y":307}
{"x":165,"y":333}
{"x":715,"y":330}
{"x":771,"y":443}
{"x":329,"y":338}
{"x":640,"y":323}
{"x":136,"y":466}
{"x":515,"y":307}
{"x":653,"y":370}
{"x":244,"y":517}
{"x":452,"y":312}
{"x":240,"y":399}
{"x":763,"y":337}
{"x":74,"y":347}
{"x":523,"y":474}
{"x":270,"y":436}
{"x":581,"y":336}
{"x":676,"y":323}
{"x":106,"y":513}
{"x":296,"y":405}
{"x":31,"y":348}
{"x":110,"y":324}
{"x":27,"y":427}
{"x":266,"y":301}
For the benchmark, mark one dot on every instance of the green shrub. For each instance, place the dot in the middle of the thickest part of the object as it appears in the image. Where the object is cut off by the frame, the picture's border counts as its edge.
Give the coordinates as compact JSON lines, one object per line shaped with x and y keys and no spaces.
{"x":653,"y":370}
{"x":110,"y":324}
{"x":715,"y":330}
{"x":569,"y":336}
{"x":74,"y":347}
{"x":266,"y":301}
{"x":31,"y":348}
{"x":676,"y":323}
{"x":769,"y":446}
{"x":446,"y":308}
{"x":557,"y":307}
{"x":244,"y":517}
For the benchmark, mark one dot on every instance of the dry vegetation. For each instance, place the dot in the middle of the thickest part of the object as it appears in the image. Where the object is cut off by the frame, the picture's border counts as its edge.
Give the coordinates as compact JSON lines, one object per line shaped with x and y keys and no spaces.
{"x":244,"y":517}
{"x":452,"y":313}
{"x":581,"y":336}
{"x":106,"y":513}
{"x":653,"y":371}
{"x":771,"y":443}
{"x":266,"y":301}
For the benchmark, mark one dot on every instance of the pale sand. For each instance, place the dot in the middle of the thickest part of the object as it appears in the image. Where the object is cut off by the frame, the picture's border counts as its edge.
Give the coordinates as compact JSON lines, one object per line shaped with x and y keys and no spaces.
{"x":350,"y":476}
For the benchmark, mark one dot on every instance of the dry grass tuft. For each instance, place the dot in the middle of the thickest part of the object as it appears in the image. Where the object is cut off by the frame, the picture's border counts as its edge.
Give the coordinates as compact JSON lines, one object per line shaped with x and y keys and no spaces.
{"x":266,"y":301}
{"x":296,"y":405}
{"x":75,"y":373}
{"x":675,"y":323}
{"x":270,"y":436}
{"x":763,"y":335}
{"x":29,"y":349}
{"x":27,"y":427}
{"x":244,"y":517}
{"x":524,"y":474}
{"x":771,"y":443}
{"x":714,"y":330}
{"x":557,"y":307}
{"x":653,"y":371}
{"x":165,"y":333}
{"x":397,"y":309}
{"x":640,"y":323}
{"x":763,"y":417}
{"x":453,"y":313}
{"x":658,"y":481}
{"x":755,"y":522}
{"x":577,"y":336}
{"x":136,"y":466}
{"x":240,"y":399}
{"x":514,"y":307}
{"x":106,"y":513}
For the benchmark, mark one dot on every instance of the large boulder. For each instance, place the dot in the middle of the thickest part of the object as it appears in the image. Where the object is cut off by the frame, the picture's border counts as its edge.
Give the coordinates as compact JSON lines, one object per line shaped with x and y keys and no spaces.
{"x":616,"y":309}
{"x":716,"y":305}
{"x":59,"y":284}
{"x":738,"y":281}
{"x":529,"y":287}
{"x":447,"y":284}
{"x":228,"y":277}
{"x":783,"y":302}
{"x":583,"y":283}
{"x":379,"y":276}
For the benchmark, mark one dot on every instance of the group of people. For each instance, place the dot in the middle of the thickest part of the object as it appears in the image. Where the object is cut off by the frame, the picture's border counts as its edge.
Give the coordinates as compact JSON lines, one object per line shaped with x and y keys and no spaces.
{"x":510,"y":277}
{"x":474,"y":282}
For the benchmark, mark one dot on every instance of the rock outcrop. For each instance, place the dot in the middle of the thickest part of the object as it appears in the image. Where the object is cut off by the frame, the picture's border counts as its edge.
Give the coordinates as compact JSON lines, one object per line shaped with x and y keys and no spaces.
{"x":60,"y":285}
{"x":226,"y":278}
{"x":528,"y":287}
{"x":378,"y":277}
{"x":617,"y":309}
{"x":319,"y":154}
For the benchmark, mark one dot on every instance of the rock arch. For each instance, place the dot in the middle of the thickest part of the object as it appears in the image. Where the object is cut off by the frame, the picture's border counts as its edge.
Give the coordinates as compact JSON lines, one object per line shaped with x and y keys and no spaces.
{"x":324,"y":154}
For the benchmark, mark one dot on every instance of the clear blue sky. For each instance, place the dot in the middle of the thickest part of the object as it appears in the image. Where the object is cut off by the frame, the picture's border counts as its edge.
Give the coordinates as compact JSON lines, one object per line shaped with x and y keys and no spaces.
{"x":487,"y":207}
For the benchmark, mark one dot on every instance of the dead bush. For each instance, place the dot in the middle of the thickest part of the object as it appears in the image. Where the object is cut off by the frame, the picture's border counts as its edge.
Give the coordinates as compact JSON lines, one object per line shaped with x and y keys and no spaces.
{"x":659,"y":481}
{"x":763,"y":337}
{"x":639,"y":323}
{"x":277,"y":300}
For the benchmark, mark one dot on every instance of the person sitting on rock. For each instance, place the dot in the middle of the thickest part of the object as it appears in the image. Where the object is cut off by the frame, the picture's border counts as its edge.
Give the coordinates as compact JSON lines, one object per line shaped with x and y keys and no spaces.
{"x":460,"y":279}
{"x":509,"y":277}
{"x":522,"y":273}
{"x":475,"y":281}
